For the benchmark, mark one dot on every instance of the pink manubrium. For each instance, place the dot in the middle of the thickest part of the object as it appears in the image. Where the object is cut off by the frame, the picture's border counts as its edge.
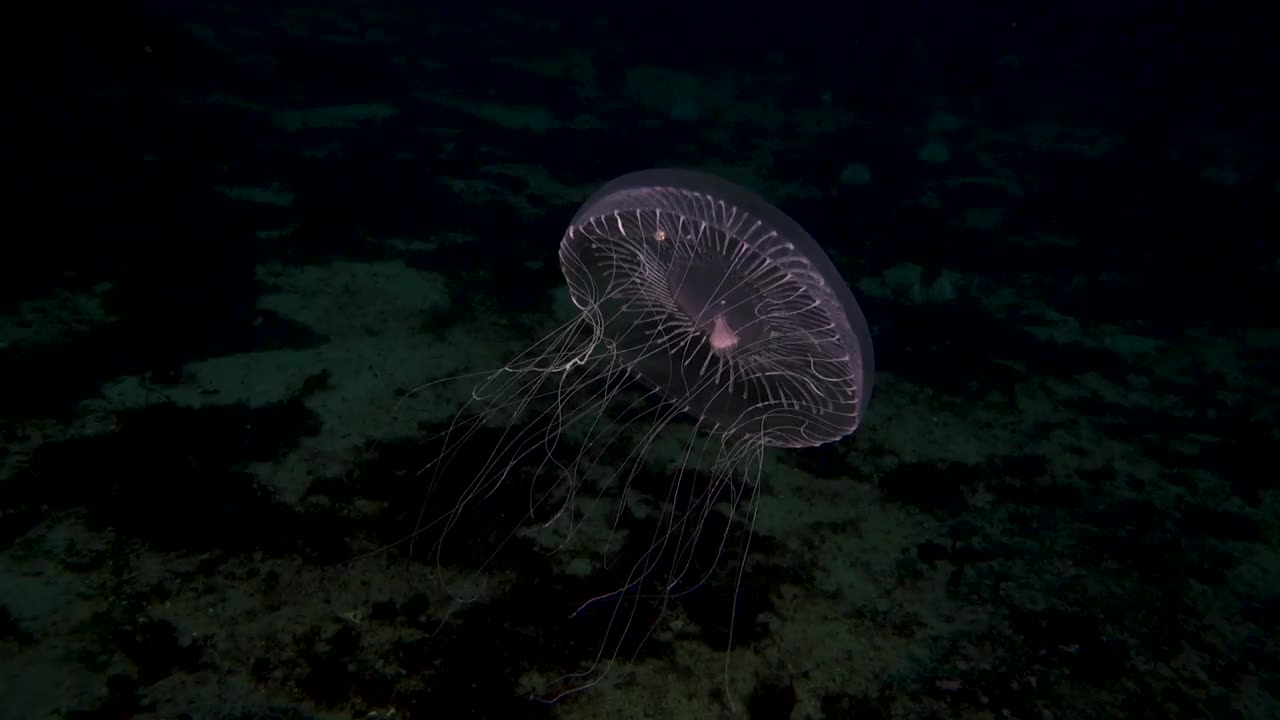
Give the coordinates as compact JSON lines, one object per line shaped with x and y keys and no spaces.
{"x":722,"y":338}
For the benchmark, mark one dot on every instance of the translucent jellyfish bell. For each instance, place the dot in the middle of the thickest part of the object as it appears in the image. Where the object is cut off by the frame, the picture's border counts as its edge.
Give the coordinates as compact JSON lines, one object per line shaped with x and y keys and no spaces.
{"x":724,"y":304}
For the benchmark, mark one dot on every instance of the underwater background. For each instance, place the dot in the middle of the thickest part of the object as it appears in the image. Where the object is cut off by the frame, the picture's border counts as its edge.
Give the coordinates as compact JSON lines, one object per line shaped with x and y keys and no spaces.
{"x":248,"y":237}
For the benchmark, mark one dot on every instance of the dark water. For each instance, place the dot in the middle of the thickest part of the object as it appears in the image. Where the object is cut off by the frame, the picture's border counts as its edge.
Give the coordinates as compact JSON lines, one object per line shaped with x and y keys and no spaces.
{"x":222,"y":416}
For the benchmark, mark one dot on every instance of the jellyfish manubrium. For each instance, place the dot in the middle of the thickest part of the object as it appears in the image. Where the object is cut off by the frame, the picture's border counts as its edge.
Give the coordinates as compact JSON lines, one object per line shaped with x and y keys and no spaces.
{"x":699,"y":302}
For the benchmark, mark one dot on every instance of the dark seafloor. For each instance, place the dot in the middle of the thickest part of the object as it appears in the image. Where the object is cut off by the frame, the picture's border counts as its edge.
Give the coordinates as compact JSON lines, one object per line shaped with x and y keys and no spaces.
{"x":250,"y":229}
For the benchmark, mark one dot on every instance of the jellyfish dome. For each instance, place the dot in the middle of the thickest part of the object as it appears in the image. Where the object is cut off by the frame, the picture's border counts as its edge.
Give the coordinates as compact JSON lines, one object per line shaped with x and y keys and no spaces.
{"x":723,"y":304}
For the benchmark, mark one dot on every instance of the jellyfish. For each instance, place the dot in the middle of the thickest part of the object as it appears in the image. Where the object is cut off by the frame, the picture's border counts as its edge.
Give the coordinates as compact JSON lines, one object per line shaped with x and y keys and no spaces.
{"x":695,"y":300}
